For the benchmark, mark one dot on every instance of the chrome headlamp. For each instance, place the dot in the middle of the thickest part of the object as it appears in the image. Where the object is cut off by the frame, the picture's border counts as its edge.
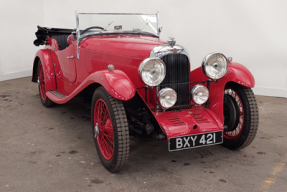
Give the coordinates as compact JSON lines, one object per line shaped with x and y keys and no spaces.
{"x":214,"y":65}
{"x":199,"y":94}
{"x":167,"y":97}
{"x":152,"y":71}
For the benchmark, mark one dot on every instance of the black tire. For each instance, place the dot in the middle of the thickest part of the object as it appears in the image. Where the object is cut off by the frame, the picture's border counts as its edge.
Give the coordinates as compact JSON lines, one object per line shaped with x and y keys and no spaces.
{"x":120,"y":154}
{"x":241,"y":114}
{"x":41,"y":83}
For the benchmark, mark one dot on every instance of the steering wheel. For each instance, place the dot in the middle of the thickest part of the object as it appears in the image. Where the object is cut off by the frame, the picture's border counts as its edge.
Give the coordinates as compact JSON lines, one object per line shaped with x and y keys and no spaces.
{"x":93,"y":27}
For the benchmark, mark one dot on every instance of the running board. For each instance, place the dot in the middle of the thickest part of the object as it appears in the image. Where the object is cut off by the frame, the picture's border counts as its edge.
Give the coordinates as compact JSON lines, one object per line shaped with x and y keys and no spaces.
{"x":57,"y":97}
{"x":58,"y":94}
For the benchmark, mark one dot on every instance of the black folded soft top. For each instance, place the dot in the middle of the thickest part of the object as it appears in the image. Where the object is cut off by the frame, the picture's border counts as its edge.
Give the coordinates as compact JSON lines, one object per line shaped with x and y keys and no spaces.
{"x":44,"y":32}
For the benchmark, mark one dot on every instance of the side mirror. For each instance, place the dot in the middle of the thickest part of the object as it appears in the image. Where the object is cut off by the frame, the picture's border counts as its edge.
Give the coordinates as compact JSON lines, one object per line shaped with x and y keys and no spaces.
{"x":70,"y":39}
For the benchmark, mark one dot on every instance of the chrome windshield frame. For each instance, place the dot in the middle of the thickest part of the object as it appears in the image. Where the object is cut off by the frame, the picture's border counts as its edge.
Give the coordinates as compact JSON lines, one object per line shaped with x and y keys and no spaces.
{"x":79,"y":38}
{"x":78,"y":35}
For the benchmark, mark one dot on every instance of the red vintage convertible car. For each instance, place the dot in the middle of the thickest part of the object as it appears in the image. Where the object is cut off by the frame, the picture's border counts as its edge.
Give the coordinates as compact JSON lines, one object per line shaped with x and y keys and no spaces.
{"x":142,"y":86}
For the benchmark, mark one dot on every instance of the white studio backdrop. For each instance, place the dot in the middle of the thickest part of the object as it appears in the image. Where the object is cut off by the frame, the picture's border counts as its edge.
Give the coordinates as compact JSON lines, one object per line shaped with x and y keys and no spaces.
{"x":254,"y":32}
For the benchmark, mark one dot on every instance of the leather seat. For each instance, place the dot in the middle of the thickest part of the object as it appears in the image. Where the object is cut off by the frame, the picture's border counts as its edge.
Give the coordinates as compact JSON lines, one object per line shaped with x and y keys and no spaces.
{"x":61,"y":40}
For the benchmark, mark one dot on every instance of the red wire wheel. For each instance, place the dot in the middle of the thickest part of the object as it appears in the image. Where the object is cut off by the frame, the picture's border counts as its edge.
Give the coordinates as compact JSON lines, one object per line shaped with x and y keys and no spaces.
{"x":233,"y":113}
{"x":240,"y":116}
{"x":41,"y":82}
{"x":42,"y":87}
{"x":103,"y":124}
{"x":110,"y":130}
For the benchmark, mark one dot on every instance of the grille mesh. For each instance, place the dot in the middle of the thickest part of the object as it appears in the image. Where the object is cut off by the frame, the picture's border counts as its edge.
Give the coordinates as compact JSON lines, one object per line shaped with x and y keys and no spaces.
{"x":177,"y":71}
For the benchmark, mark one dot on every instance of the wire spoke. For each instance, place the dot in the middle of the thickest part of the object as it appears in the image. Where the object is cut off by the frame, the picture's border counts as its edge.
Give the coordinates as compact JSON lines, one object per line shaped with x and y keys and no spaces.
{"x":236,"y":132}
{"x":105,"y":138}
{"x":110,"y":138}
{"x":108,"y":146}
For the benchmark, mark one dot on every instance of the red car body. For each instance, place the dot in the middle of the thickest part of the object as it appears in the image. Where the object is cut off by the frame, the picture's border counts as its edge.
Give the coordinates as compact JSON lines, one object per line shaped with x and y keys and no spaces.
{"x":141,"y":85}
{"x":126,"y":52}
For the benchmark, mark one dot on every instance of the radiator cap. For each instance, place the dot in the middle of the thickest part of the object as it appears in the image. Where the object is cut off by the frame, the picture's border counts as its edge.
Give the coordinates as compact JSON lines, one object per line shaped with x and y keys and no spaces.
{"x":171,"y":41}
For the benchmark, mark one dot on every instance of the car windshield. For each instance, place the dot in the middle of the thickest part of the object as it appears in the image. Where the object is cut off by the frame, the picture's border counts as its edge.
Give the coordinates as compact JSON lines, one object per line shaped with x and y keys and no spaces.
{"x":103,"y":23}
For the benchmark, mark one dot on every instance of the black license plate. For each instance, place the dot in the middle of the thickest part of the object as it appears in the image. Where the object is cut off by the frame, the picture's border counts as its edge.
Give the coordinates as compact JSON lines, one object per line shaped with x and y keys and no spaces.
{"x":198,"y":140}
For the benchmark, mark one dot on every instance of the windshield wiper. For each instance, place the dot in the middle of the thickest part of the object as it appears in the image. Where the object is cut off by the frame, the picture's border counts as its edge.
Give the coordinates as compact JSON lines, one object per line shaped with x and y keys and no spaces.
{"x":147,"y":22}
{"x":140,"y":30}
{"x":108,"y":26}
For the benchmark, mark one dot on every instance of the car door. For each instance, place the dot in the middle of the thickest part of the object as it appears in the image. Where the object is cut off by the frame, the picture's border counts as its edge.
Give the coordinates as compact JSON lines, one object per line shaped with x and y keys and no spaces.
{"x":67,"y":59}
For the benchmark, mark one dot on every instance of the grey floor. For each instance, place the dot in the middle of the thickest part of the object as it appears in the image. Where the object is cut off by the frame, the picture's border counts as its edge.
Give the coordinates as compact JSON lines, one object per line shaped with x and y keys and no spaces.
{"x":52,"y":149}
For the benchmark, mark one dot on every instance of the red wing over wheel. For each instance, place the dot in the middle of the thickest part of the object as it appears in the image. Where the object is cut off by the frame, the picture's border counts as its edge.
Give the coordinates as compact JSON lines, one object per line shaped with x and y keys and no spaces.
{"x":42,"y":88}
{"x":240,"y":116}
{"x":110,"y":130}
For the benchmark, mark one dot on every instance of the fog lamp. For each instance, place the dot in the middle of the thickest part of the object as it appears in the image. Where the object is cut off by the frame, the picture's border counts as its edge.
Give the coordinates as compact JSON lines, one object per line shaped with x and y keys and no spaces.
{"x":167,"y":97}
{"x":199,"y":94}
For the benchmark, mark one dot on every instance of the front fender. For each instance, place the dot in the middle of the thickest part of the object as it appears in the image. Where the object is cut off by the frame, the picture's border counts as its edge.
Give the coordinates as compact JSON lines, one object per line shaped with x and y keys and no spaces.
{"x":116,"y":83}
{"x":239,"y":74}
{"x":44,"y":56}
{"x":236,"y":73}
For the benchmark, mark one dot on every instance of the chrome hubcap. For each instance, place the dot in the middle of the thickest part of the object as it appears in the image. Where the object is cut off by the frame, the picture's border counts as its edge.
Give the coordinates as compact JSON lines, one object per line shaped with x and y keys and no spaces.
{"x":97,"y":131}
{"x":38,"y":82}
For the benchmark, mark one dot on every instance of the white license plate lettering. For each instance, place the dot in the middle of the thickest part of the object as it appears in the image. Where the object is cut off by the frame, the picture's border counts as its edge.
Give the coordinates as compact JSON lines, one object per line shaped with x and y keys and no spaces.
{"x":202,"y":140}
{"x":186,"y":143}
{"x":210,"y":137}
{"x":195,"y":140}
{"x":178,"y":143}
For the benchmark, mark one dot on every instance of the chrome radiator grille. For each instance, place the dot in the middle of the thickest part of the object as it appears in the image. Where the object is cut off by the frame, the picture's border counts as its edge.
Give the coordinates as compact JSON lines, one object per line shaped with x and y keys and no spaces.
{"x":177,"y":71}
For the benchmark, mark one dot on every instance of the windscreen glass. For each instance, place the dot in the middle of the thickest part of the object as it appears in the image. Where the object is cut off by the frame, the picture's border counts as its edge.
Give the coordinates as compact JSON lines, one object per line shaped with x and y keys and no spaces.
{"x":116,"y":23}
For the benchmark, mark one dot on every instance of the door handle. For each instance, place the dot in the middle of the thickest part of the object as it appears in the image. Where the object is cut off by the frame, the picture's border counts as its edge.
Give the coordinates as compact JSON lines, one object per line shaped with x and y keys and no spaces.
{"x":70,"y":57}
